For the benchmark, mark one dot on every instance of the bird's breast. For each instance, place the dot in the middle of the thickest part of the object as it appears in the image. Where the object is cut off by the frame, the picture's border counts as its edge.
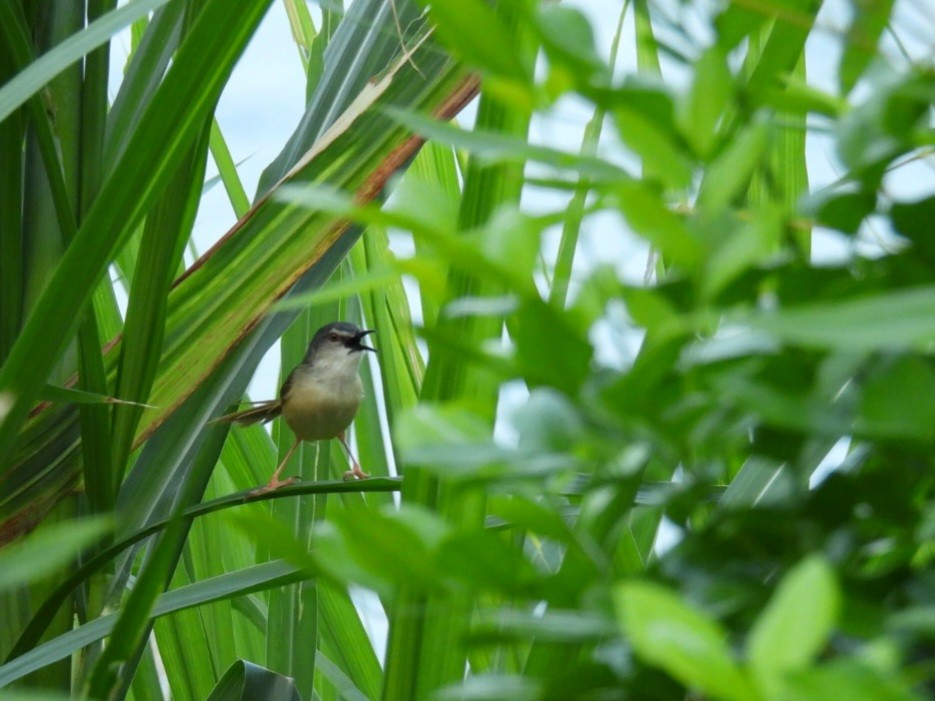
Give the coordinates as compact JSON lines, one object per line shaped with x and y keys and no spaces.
{"x":318,"y":407}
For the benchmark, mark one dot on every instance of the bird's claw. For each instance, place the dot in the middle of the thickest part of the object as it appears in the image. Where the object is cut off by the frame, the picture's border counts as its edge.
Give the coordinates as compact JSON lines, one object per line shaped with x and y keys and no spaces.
{"x":355,"y":473}
{"x":273,"y":485}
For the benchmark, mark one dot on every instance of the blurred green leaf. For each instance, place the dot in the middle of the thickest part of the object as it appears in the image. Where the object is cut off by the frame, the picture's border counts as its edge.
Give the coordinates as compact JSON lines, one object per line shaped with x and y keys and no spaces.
{"x":49,"y":549}
{"x":913,"y":220}
{"x":484,"y":561}
{"x":550,"y":347}
{"x":846,"y":680}
{"x":685,"y":643}
{"x":842,"y":211}
{"x":474,"y":31}
{"x":494,"y":147}
{"x":896,"y":320}
{"x":567,"y":36}
{"x":654,"y":221}
{"x":704,"y":107}
{"x":650,"y":133}
{"x":796,"y":624}
{"x":869,"y":19}
{"x":898,"y":401}
{"x":573,"y":625}
{"x":729,"y":174}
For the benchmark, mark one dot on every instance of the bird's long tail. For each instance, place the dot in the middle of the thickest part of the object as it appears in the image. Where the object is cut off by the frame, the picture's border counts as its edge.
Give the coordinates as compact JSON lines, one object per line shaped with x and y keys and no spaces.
{"x":267,"y":411}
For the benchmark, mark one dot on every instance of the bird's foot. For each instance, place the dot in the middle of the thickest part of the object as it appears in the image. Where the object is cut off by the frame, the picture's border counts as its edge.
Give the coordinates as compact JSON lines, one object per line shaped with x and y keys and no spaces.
{"x":273,"y":485}
{"x":355,"y":473}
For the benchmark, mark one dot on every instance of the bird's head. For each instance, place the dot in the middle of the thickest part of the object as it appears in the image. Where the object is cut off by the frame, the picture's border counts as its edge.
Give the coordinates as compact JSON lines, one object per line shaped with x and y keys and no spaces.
{"x":337,"y":340}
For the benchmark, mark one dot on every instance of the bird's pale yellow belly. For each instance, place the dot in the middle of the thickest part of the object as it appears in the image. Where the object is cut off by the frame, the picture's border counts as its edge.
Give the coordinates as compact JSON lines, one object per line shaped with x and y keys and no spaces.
{"x":314,"y":413}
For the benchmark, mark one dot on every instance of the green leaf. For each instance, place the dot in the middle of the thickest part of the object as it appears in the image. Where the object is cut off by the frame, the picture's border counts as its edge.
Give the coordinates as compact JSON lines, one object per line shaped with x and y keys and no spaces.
{"x":842,"y":211}
{"x":568,"y":38}
{"x":555,"y":625}
{"x":869,"y":19}
{"x":914,"y":221}
{"x":847,"y":680}
{"x":898,"y":402}
{"x":688,"y":645}
{"x":270,"y":574}
{"x":53,"y":393}
{"x":897,"y":320}
{"x":550,"y":348}
{"x":730,"y":173}
{"x":651,"y":219}
{"x":656,"y":142}
{"x":742,"y":248}
{"x":48,"y":550}
{"x":32,"y":79}
{"x":190,"y":88}
{"x":710,"y":95}
{"x":475,"y":32}
{"x":796,"y":624}
{"x":484,"y":561}
{"x":494,"y":147}
{"x":244,"y":681}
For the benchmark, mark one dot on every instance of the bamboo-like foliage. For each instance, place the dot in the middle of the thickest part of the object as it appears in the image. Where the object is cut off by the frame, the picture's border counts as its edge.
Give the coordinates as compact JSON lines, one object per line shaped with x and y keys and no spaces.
{"x":713,"y":480}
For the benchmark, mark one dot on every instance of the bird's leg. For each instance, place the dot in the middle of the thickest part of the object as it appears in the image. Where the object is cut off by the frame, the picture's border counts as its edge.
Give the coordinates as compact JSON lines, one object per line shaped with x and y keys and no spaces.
{"x":274,"y":481}
{"x":355,"y":472}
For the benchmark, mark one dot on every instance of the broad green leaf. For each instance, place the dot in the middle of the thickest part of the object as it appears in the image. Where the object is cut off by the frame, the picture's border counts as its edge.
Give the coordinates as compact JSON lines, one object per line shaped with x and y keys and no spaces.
{"x":339,"y":680}
{"x":354,"y":655}
{"x":795,"y":626}
{"x":482,"y":560}
{"x":493,"y":687}
{"x":691,"y":647}
{"x":551,"y":347}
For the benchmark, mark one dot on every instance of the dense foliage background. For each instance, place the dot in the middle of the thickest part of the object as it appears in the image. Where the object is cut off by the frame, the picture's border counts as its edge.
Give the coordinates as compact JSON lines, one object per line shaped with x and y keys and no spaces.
{"x":710,"y":481}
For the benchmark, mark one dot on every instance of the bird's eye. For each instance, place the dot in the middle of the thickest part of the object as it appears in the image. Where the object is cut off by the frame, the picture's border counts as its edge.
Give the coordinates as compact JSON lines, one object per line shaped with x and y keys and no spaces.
{"x":333,"y":336}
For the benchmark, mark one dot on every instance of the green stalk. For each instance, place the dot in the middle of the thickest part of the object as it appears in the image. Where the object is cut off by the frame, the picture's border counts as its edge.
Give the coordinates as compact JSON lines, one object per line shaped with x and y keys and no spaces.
{"x":12,"y":130}
{"x":227,"y":169}
{"x":571,"y":228}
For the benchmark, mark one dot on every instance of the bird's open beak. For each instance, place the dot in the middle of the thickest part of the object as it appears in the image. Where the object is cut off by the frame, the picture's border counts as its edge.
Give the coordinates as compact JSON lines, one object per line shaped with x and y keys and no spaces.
{"x":360,"y":339}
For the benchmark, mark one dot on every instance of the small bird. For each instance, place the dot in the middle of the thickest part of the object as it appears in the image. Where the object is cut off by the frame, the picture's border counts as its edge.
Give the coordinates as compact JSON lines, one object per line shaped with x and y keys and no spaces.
{"x":319,"y":398}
